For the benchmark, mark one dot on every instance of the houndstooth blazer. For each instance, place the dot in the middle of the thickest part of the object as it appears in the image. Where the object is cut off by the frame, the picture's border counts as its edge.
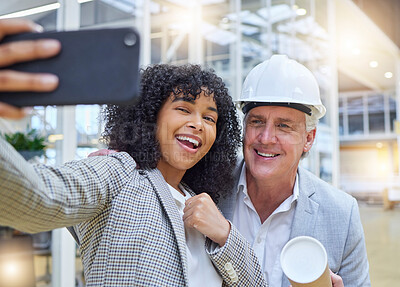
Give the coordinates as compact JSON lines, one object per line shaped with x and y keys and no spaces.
{"x":125,"y":220}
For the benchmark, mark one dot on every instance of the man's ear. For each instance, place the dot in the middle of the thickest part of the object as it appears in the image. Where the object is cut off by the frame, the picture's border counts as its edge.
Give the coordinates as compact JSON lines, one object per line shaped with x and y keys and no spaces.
{"x":310,"y":137}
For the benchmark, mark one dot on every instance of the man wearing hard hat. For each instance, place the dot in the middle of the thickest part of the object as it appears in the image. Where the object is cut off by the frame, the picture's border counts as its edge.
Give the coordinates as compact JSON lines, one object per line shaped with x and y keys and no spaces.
{"x":275,"y":199}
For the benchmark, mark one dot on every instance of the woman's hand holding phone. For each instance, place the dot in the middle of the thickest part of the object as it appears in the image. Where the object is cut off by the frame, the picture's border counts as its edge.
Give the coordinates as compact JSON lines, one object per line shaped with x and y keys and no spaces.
{"x":15,"y":52}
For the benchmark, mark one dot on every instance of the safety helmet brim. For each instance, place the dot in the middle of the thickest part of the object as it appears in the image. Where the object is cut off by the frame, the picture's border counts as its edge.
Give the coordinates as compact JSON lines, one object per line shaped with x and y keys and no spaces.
{"x":284,"y":82}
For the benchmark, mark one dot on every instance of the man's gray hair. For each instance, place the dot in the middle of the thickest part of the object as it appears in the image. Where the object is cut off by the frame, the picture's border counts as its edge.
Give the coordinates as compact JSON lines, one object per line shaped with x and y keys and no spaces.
{"x":311,"y":123}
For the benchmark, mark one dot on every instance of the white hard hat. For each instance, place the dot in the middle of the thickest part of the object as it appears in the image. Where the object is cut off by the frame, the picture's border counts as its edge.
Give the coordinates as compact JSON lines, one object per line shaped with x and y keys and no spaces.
{"x":281,"y":81}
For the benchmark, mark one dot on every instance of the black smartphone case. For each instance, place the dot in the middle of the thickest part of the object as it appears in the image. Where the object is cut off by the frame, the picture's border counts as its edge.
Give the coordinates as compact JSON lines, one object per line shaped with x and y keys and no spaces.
{"x":94,"y":67}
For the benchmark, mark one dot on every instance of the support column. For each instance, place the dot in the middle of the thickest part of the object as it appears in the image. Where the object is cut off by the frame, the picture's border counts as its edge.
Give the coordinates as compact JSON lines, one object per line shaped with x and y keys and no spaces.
{"x":236,"y":55}
{"x":63,"y":245}
{"x":333,"y":99}
{"x":145,"y":49}
{"x":398,"y":109}
{"x":195,"y":36}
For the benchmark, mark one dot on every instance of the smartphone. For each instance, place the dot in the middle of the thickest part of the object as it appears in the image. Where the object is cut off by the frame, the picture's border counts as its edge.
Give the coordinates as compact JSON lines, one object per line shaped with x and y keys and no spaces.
{"x":94,"y":67}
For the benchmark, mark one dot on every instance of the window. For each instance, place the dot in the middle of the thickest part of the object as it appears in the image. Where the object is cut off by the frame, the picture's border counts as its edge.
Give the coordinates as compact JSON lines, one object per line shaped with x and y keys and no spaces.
{"x":376,"y":114}
{"x":341,"y":116}
{"x":355,"y":110}
{"x":392,"y":112}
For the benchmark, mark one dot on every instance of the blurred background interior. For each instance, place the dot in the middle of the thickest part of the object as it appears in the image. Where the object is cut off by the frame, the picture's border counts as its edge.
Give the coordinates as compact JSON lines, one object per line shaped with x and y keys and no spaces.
{"x":352,"y":47}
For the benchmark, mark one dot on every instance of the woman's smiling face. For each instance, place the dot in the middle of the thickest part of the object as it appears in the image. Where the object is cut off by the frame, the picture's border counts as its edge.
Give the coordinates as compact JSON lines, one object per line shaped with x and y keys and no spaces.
{"x":186,"y":130}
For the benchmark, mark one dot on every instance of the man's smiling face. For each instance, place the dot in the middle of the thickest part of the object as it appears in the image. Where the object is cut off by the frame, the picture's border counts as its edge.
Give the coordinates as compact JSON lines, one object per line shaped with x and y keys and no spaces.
{"x":275,"y":138}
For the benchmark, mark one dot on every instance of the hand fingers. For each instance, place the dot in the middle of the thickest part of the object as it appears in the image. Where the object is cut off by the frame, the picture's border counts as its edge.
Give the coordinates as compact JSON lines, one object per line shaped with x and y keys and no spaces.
{"x":189,"y":219}
{"x":202,"y":214}
{"x":202,"y":198}
{"x":337,"y":281}
{"x":20,"y":51}
{"x":18,"y":25}
{"x":10,"y":112}
{"x":198,"y":219}
{"x":19,"y":81}
{"x":196,"y":208}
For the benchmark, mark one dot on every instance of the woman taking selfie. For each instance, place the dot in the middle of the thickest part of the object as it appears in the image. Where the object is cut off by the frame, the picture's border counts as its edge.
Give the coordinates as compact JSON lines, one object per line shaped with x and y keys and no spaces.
{"x":135,"y":214}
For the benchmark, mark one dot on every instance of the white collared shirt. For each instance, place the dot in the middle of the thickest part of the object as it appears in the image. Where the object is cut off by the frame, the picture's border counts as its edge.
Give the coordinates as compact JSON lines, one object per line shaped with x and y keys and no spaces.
{"x":201,"y":271}
{"x":268,"y":238}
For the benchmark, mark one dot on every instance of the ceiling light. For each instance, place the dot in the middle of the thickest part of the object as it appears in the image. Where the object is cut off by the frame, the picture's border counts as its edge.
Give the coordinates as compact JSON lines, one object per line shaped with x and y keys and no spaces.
{"x":349,"y":44}
{"x":84,"y":1}
{"x":379,"y":145}
{"x":373,"y":64}
{"x":356,"y":51}
{"x":388,"y":75}
{"x":32,"y":11}
{"x":301,"y":11}
{"x":225,"y":20}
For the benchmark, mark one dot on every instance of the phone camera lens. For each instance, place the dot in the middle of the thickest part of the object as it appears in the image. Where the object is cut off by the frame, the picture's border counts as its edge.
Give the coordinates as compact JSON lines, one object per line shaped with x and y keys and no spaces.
{"x":130,"y":39}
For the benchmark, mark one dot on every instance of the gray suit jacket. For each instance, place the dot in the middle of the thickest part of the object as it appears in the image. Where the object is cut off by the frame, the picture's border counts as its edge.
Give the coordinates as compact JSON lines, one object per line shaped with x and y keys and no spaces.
{"x":126,"y":222}
{"x":329,"y":215}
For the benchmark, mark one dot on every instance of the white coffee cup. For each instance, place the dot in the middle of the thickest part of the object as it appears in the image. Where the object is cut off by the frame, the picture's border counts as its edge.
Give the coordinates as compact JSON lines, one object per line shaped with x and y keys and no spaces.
{"x":305,"y":263}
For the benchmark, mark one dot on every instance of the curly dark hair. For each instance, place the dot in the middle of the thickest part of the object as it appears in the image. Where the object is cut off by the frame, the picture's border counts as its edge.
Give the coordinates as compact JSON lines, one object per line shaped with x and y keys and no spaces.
{"x":132,"y":128}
